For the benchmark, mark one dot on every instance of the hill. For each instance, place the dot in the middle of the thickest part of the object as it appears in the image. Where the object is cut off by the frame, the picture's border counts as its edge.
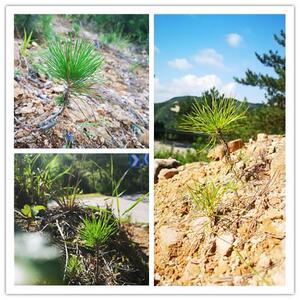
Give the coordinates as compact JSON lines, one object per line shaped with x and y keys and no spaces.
{"x":167,"y":114}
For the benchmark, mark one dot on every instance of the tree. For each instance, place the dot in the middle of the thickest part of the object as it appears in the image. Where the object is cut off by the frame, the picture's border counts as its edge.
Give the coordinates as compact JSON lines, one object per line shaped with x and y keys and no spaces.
{"x":275,"y":87}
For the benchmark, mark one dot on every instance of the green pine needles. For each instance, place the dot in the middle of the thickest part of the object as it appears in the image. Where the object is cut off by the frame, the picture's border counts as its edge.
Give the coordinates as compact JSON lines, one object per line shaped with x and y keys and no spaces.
{"x":215,"y":119}
{"x":77,"y":64}
{"x":207,"y":196}
{"x":94,"y":232}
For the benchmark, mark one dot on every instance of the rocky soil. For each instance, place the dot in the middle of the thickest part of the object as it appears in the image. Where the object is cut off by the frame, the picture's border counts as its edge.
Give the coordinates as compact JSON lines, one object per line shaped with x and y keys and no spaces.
{"x":114,"y":115}
{"x":242,"y":243}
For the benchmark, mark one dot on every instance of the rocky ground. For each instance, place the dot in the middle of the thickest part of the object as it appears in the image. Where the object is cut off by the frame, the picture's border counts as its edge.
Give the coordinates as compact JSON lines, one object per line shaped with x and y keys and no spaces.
{"x":115,"y":115}
{"x":242,"y":243}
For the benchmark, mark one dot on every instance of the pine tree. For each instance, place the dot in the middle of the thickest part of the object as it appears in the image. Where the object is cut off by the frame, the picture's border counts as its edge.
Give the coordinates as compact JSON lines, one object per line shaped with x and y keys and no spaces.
{"x":275,"y":87}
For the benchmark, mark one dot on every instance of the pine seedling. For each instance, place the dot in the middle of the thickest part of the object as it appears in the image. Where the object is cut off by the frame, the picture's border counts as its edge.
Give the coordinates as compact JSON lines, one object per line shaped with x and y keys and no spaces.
{"x":216,"y":119}
{"x":77,"y":64}
{"x":206,"y":197}
{"x":95,"y":231}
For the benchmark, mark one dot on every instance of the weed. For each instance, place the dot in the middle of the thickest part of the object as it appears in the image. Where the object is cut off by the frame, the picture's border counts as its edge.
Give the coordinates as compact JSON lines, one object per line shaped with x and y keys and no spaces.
{"x":29,"y":212}
{"x":66,"y":197}
{"x":115,"y":189}
{"x":36,"y":177}
{"x":74,"y":267}
{"x":25,"y":43}
{"x":116,"y":38}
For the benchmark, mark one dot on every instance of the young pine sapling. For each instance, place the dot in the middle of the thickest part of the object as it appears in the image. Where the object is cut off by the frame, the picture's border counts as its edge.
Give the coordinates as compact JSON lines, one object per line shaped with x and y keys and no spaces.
{"x":215,"y":120}
{"x":95,"y":231}
{"x":76,"y":64}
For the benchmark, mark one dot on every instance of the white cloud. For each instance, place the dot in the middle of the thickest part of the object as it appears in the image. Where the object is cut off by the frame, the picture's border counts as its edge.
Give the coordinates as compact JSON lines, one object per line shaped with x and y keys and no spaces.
{"x":233,"y":39}
{"x":229,"y":89}
{"x":156,"y":49}
{"x":191,"y":85}
{"x":179,"y":63}
{"x":209,"y":56}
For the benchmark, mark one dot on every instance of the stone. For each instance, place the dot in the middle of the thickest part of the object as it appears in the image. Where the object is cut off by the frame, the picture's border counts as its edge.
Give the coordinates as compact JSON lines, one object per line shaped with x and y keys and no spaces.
{"x":262,"y":137}
{"x":264,"y":261}
{"x":169,"y":240}
{"x":277,"y":167}
{"x":167,"y":173}
{"x":200,"y":224}
{"x":101,"y":132}
{"x":144,"y":138}
{"x":191,"y":271}
{"x":273,"y":213}
{"x":218,"y":152}
{"x":164,"y":164}
{"x":58,"y":89}
{"x":224,"y":244}
{"x":221,"y":268}
{"x":235,"y":145}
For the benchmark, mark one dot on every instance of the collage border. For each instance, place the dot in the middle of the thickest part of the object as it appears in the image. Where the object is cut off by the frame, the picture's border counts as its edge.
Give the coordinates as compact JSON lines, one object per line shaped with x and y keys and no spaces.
{"x":151,"y":10}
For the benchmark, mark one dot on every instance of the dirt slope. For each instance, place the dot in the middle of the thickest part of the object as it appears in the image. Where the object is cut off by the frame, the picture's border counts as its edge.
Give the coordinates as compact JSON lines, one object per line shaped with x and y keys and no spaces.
{"x":243,"y":243}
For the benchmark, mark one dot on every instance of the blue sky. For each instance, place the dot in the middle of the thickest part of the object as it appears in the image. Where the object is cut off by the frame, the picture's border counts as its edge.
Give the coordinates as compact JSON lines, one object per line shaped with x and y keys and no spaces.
{"x":196,"y":52}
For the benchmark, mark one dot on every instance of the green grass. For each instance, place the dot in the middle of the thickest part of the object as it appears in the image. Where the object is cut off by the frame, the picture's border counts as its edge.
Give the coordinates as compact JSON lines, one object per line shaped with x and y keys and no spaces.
{"x":188,"y":156}
{"x":115,"y":38}
{"x":92,"y":195}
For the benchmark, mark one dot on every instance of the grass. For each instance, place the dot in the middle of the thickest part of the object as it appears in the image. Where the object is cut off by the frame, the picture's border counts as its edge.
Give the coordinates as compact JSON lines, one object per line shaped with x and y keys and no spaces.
{"x":25,"y":43}
{"x":115,"y":38}
{"x":188,"y":156}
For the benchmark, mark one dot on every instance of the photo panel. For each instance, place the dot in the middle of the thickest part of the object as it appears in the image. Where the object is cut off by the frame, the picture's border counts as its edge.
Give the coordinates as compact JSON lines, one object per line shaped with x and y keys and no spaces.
{"x":81,"y":219}
{"x":81,"y":81}
{"x":150,"y":149}
{"x":220,"y":140}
